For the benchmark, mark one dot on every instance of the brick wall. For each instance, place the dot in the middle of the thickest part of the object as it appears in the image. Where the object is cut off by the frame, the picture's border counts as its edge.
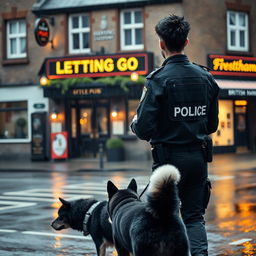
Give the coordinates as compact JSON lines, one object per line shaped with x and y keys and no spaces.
{"x":208,"y":27}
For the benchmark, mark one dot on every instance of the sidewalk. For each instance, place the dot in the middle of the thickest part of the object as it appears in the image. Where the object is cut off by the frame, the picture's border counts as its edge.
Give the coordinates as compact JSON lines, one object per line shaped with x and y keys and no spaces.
{"x":73,"y":165}
{"x":221,"y":163}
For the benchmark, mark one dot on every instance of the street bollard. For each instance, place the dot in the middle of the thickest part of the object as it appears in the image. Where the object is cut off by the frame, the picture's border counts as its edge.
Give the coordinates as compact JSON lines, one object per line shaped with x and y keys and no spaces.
{"x":101,"y":155}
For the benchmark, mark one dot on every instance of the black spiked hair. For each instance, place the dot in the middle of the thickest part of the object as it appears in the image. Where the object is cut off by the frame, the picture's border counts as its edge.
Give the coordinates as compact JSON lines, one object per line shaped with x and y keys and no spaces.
{"x":173,"y":30}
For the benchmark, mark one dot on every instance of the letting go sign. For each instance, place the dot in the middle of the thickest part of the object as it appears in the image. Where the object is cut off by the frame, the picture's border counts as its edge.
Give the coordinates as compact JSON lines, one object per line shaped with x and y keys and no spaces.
{"x":98,"y":66}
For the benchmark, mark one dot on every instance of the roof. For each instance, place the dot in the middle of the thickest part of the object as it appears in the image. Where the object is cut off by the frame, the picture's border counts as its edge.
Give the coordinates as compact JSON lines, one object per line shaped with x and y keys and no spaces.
{"x":71,"y":6}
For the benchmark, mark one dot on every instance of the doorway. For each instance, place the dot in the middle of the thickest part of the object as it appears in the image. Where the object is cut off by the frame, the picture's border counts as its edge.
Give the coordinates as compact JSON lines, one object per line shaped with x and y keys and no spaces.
{"x":241,"y":136}
{"x":90,"y":126}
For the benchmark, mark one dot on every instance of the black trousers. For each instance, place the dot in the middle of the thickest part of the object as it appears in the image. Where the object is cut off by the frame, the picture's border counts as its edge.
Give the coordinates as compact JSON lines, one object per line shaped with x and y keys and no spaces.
{"x":194,"y":193}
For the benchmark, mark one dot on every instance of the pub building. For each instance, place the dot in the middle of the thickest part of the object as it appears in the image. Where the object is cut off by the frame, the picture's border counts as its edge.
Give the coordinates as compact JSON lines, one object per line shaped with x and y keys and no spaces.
{"x":92,"y":57}
{"x":94,"y":108}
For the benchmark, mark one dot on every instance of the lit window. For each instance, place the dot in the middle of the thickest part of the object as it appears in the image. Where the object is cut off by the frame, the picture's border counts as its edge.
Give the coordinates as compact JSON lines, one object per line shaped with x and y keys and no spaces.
{"x":79,"y":34}
{"x":16,"y":37}
{"x":237,"y":29}
{"x":224,"y":136}
{"x":13,"y":120}
{"x":132,"y":30}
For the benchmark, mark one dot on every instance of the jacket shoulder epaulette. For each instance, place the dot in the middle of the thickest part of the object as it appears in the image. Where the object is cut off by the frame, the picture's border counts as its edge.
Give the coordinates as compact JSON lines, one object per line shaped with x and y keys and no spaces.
{"x":153,"y":73}
{"x":203,"y":67}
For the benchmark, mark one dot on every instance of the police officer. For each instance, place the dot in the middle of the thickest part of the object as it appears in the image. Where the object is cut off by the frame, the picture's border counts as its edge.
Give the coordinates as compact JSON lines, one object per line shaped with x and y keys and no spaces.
{"x":177,"y":112}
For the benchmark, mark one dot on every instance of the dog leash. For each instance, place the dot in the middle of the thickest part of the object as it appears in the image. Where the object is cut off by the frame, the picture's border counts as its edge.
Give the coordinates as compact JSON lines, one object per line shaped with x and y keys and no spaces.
{"x":141,"y":194}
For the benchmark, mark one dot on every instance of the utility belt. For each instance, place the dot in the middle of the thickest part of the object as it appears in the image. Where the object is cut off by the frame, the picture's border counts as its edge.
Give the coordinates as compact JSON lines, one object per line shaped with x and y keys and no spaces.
{"x":161,"y":152}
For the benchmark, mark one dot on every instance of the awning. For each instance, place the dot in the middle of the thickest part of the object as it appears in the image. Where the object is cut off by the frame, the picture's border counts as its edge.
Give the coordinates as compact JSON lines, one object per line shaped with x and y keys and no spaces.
{"x":236,"y":88}
{"x":236,"y":84}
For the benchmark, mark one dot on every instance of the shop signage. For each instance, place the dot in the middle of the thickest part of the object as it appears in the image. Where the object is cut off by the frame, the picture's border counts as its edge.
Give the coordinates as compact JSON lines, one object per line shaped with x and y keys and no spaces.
{"x":38,"y":142}
{"x":89,"y":91}
{"x":42,"y":31}
{"x":59,"y":145}
{"x":99,"y":66}
{"x":221,"y":65}
{"x":39,"y":105}
{"x":241,"y":92}
{"x":103,"y":35}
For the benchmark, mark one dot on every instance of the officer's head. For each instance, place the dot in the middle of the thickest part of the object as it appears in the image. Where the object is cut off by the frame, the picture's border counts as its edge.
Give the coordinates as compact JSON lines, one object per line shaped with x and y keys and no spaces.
{"x":173,"y":32}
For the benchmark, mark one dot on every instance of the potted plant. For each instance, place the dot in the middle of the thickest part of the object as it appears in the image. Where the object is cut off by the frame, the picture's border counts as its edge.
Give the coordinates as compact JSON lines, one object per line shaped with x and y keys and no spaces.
{"x":19,"y":129}
{"x":115,"y":149}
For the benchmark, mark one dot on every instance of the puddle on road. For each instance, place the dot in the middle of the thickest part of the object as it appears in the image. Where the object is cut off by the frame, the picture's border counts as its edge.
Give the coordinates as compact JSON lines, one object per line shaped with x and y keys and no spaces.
{"x":232,"y":213}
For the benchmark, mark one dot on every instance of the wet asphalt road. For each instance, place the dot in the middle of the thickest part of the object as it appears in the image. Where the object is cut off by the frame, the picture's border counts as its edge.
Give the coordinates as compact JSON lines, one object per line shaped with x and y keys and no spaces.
{"x":28,"y":204}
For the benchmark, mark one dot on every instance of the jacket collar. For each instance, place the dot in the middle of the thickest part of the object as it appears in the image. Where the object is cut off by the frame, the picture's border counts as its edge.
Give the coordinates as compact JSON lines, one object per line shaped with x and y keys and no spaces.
{"x":175,"y":59}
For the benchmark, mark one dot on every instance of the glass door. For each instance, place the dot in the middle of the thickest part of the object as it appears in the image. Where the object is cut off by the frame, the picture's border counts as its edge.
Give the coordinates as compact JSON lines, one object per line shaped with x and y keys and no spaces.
{"x":93,"y":128}
{"x":240,"y":126}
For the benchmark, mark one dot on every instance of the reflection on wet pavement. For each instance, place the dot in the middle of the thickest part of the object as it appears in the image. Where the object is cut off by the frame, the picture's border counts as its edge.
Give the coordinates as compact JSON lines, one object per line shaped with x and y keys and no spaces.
{"x":230,"y":216}
{"x":233,"y":211}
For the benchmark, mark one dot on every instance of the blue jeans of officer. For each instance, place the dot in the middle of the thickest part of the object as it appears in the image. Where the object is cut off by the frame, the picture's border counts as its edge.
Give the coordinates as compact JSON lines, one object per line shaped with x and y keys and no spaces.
{"x":194,"y":193}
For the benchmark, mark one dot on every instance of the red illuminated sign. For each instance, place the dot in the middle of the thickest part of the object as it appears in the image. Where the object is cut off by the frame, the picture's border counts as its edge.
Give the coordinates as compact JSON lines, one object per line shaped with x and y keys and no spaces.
{"x":59,"y":145}
{"x":221,"y":65}
{"x":42,"y":32}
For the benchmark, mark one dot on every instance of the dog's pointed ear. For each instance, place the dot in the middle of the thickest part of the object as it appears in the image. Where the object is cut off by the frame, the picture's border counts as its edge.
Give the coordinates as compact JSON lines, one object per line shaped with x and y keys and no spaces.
{"x":112,"y":189}
{"x":64,"y":202}
{"x":133,"y":185}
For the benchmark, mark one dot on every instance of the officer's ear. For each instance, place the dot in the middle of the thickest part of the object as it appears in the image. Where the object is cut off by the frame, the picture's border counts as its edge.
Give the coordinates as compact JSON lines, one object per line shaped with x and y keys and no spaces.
{"x":186,"y":43}
{"x":162,"y":44}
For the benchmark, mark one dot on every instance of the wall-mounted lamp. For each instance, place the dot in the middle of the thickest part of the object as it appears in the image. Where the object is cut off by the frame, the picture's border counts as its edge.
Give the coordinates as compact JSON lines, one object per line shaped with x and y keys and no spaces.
{"x":134,"y":76}
{"x":54,"y":115}
{"x":240,"y":102}
{"x":43,"y":81}
{"x":114,"y":113}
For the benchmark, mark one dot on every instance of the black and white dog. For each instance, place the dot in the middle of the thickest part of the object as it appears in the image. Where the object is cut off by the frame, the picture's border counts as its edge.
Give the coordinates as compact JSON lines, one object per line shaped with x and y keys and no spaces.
{"x":90,"y":217}
{"x":151,"y":228}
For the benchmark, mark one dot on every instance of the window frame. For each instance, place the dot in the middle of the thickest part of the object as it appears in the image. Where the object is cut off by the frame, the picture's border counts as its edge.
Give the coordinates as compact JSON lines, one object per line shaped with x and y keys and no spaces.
{"x":78,"y":30}
{"x":237,"y":28}
{"x":18,"y":140}
{"x":16,"y":36}
{"x":131,"y":26}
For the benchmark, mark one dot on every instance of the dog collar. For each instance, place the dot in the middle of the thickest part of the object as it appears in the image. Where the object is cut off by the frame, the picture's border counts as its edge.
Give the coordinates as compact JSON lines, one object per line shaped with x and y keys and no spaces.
{"x":87,"y":217}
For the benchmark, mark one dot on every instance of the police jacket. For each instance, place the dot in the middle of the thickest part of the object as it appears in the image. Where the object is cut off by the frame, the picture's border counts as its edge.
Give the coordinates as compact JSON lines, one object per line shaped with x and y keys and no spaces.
{"x":179,"y":104}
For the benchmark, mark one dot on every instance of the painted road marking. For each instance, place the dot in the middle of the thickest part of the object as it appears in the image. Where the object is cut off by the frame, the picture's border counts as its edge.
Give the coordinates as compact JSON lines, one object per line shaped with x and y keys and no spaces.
{"x":216,"y":177}
{"x":55,"y":235}
{"x":50,"y":194}
{"x":14,"y":204}
{"x":38,"y":199}
{"x":241,"y":241}
{"x":8,"y":231}
{"x":45,"y":234}
{"x":30,"y":197}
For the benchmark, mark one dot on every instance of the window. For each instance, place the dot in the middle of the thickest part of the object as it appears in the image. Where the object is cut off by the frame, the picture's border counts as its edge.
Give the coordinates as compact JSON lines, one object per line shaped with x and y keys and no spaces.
{"x":79,"y":34}
{"x":13,"y":120}
{"x":132,"y":30}
{"x":224,"y":136}
{"x":237,"y":28}
{"x":16,"y":39}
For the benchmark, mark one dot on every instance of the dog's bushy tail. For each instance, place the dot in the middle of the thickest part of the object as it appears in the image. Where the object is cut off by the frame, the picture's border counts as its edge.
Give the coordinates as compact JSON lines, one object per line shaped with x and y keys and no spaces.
{"x":162,"y":195}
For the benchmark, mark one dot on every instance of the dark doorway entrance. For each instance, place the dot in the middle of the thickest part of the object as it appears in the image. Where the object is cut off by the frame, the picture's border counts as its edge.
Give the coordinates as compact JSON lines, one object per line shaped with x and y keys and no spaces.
{"x":90,"y":126}
{"x":241,"y":137}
